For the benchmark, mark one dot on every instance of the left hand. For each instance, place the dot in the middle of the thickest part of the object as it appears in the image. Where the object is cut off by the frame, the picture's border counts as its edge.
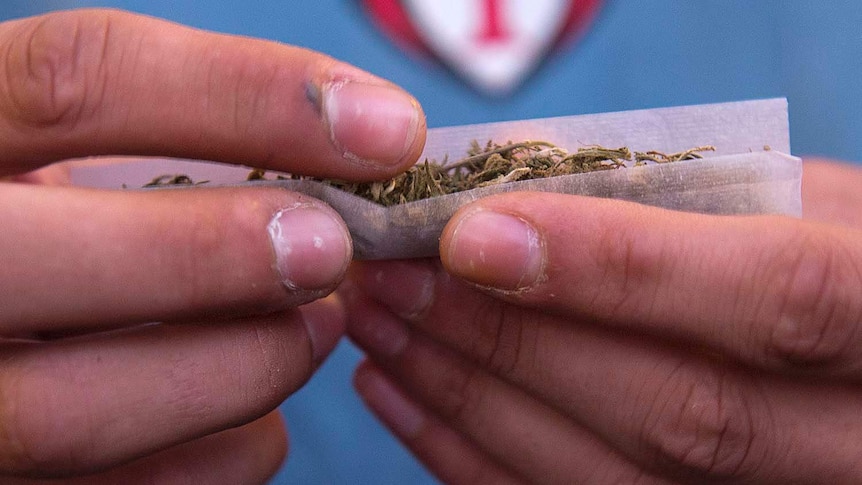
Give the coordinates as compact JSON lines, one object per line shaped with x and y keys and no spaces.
{"x":89,"y":390}
{"x":598,"y":341}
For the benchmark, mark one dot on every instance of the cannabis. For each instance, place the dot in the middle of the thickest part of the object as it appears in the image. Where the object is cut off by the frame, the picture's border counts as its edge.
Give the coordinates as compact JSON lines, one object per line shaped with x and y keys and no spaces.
{"x":493,"y":164}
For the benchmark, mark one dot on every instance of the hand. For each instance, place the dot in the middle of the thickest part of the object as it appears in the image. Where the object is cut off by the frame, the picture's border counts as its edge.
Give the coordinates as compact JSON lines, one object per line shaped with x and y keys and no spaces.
{"x":596,"y":341}
{"x":87,"y":385}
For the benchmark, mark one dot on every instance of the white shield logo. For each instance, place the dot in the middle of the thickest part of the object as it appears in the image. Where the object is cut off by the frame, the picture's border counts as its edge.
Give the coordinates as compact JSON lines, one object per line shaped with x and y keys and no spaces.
{"x":495,"y":44}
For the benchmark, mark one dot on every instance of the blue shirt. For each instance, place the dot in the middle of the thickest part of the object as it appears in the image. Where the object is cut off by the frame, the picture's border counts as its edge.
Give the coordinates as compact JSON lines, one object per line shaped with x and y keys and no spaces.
{"x":635,"y":55}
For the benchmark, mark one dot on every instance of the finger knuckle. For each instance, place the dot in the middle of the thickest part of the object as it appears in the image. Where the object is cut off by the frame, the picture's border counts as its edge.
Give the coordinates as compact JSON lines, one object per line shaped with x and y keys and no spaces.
{"x":458,"y":393}
{"x":205,"y":235}
{"x":701,"y":425}
{"x":197,"y":242}
{"x":631,"y":263}
{"x":815,"y":315}
{"x":241,"y":87}
{"x":284,"y":364}
{"x":263,"y":361}
{"x":506,"y":338}
{"x":189,"y":395}
{"x":55,"y":70}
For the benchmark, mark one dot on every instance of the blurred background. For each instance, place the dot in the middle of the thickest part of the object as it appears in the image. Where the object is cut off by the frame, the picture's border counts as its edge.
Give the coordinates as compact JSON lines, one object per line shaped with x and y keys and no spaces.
{"x":631,"y":55}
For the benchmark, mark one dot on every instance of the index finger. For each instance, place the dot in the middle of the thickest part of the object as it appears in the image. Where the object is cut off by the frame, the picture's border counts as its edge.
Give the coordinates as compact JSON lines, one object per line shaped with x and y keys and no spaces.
{"x":775,"y":292}
{"x":94,"y":82}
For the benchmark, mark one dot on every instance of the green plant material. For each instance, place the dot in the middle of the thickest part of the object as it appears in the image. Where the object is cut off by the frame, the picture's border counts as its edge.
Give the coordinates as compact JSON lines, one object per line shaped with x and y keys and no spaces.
{"x":658,"y":157}
{"x":484,"y":166}
{"x":256,"y":174}
{"x":494,"y":164}
{"x":168,"y":180}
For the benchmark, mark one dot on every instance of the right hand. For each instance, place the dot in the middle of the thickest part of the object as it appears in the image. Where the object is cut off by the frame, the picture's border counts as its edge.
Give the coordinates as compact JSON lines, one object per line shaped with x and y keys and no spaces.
{"x":569,"y":339}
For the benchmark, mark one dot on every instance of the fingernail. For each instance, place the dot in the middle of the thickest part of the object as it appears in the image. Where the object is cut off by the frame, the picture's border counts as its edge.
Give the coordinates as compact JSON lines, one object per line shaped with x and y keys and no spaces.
{"x":495,"y":250}
{"x":325,"y":321}
{"x":401,"y":415}
{"x":312,"y":247}
{"x":407,"y":289}
{"x":371,"y":123}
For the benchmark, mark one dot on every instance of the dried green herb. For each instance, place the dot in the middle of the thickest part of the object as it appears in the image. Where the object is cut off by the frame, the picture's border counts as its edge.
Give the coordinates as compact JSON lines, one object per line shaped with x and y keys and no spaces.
{"x":256,"y":174}
{"x":497,"y":164}
{"x":168,"y":180}
{"x":486,"y":165}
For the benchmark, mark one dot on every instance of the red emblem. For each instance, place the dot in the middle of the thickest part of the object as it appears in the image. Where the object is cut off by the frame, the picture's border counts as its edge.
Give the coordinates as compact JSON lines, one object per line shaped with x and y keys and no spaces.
{"x":493,"y":44}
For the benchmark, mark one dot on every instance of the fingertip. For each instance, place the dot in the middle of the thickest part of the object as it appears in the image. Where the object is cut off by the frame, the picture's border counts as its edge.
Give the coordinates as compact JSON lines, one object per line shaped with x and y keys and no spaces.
{"x":54,"y":175}
{"x":325,"y":321}
{"x":370,"y":121}
{"x":279,"y":446}
{"x":494,"y":249}
{"x":377,"y":331}
{"x":405,"y":287}
{"x":312,"y":246}
{"x":403,"y":416}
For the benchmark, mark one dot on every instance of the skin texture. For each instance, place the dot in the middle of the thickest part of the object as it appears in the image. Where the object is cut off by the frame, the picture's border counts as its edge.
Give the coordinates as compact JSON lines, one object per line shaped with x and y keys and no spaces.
{"x":600,"y":341}
{"x":91,"y":391}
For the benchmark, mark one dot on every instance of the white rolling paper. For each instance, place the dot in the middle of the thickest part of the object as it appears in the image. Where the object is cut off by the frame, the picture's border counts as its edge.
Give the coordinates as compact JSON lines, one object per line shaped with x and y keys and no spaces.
{"x":751,"y":171}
